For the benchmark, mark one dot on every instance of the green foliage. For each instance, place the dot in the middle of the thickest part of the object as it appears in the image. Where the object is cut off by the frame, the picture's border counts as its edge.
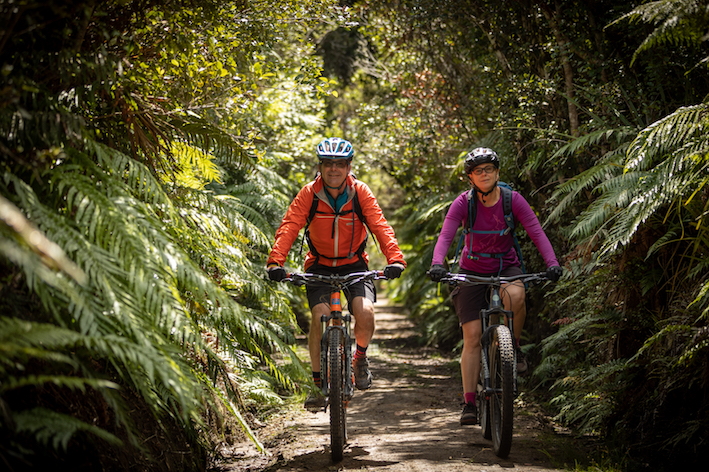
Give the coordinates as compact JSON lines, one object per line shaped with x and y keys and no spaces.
{"x":146,"y":299}
{"x":678,"y":23}
{"x":606,"y":141}
{"x":135,"y":221}
{"x":435,"y":317}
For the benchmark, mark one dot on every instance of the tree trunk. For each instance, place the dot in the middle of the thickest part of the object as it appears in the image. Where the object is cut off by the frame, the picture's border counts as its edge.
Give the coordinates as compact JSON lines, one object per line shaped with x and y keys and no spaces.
{"x":563,"y":43}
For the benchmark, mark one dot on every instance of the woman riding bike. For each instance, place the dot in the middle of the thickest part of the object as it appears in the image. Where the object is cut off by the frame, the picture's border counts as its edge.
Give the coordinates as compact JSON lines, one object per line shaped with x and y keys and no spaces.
{"x":488,"y":251}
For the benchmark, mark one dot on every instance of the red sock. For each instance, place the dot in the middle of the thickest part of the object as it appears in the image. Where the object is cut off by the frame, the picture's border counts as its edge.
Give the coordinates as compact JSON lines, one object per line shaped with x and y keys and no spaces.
{"x":360,"y":352}
{"x":469,"y":397}
{"x":316,"y":379}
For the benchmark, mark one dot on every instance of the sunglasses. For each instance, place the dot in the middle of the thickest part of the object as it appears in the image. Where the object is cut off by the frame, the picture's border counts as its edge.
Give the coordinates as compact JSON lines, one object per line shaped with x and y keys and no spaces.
{"x":339,"y":163}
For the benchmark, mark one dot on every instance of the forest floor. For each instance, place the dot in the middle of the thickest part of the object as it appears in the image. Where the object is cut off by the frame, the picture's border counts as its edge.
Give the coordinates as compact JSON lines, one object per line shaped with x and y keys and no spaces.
{"x":408,"y":421}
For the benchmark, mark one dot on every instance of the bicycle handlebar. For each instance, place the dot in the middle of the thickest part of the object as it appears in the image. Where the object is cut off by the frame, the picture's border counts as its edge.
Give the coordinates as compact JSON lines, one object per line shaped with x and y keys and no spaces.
{"x":345,"y":280}
{"x":467,"y":279}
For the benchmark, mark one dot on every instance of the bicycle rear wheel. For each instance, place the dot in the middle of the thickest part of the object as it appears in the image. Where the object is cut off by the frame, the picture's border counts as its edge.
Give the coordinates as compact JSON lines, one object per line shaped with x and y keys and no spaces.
{"x":336,"y":369}
{"x":501,"y":403}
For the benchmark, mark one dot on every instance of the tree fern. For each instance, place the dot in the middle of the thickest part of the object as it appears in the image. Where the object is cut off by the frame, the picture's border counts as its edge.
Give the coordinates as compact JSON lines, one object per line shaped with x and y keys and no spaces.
{"x":57,"y":429}
{"x":145,"y":286}
{"x":570,"y":191}
{"x":664,"y":163}
{"x":113,"y":148}
{"x":677,"y":23}
{"x":22,"y":343}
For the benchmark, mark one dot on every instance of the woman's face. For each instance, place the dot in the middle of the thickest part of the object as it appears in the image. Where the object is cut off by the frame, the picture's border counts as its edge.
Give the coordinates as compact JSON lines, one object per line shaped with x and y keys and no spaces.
{"x":484,"y":177}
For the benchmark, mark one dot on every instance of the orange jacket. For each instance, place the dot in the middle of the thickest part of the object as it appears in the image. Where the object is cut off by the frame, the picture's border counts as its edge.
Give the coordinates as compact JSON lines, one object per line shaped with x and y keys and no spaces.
{"x":347,"y":234}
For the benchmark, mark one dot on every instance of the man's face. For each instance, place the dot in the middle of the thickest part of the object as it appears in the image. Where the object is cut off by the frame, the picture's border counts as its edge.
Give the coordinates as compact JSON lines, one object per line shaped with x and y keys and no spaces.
{"x":334,"y":171}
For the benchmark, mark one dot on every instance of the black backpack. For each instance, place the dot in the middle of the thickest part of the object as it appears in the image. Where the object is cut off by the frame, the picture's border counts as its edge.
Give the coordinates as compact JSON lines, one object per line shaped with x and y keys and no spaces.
{"x":506,"y":196}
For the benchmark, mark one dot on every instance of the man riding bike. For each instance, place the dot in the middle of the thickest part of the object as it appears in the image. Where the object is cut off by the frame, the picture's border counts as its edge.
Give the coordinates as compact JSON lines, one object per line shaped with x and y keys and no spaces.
{"x":337,"y":209}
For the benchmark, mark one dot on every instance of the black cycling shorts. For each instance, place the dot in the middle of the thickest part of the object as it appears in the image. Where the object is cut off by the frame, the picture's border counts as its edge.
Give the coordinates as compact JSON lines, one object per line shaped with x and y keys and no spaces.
{"x":468,"y":300}
{"x":321,"y":293}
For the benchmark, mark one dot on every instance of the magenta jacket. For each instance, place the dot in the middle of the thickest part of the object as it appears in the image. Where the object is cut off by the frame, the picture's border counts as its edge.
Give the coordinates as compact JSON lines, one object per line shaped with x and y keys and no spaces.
{"x":489,"y":219}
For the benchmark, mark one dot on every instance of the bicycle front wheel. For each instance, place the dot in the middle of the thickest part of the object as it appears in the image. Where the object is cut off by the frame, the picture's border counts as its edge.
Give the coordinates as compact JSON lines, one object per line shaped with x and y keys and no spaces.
{"x":501,"y":403}
{"x":336,"y":368}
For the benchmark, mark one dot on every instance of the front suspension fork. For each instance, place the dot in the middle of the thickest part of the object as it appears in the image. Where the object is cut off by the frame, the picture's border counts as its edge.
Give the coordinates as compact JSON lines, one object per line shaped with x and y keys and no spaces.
{"x":336,"y":320}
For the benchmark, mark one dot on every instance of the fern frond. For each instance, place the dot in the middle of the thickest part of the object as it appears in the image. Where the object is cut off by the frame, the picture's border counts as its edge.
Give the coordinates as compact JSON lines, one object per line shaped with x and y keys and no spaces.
{"x":609,"y":167}
{"x":204,"y":134}
{"x":678,"y":22}
{"x":196,"y":167}
{"x":613,"y":136}
{"x":684,"y":130}
{"x":49,"y":426}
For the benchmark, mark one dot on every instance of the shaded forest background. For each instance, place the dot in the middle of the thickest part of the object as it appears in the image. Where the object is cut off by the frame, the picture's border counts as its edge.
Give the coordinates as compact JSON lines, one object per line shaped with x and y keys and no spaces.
{"x":150,"y":148}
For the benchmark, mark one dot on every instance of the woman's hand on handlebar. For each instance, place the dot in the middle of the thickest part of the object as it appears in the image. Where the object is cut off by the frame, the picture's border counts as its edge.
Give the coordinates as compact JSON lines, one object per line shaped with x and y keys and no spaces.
{"x":437,"y":272}
{"x":553,"y":273}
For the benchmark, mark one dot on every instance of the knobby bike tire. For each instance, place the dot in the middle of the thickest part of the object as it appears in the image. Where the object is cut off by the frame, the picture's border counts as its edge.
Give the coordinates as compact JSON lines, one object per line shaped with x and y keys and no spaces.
{"x":336,"y":368}
{"x":485,"y":423}
{"x":501,"y":355}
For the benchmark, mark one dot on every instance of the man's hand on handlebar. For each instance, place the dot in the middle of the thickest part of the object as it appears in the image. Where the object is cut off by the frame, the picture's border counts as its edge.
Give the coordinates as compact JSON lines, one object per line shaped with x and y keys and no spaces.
{"x":393,"y":271}
{"x":277,"y":273}
{"x":437,"y":272}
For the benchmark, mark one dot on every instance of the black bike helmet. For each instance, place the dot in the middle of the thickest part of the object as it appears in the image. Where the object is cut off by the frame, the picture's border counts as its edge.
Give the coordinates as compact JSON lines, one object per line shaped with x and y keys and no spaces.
{"x":480,"y":156}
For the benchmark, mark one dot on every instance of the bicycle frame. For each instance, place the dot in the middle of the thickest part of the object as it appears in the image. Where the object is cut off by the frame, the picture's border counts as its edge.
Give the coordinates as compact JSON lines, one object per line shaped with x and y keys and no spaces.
{"x":336,"y":320}
{"x":491,"y":319}
{"x":499,"y":359}
{"x":336,"y":370}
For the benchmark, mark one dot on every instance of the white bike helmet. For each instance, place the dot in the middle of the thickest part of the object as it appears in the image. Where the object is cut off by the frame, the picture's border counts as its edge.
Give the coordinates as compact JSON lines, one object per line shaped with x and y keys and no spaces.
{"x":334,"y":148}
{"x":480,"y":156}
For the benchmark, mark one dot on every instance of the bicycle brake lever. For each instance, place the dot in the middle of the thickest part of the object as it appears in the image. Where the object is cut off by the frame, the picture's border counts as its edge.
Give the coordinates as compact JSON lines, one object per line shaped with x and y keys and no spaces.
{"x":296,"y":279}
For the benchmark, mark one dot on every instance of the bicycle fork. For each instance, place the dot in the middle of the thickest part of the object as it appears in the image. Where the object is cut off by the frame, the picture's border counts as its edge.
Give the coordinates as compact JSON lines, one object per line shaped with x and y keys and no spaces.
{"x":495,"y":309}
{"x":341,"y":322}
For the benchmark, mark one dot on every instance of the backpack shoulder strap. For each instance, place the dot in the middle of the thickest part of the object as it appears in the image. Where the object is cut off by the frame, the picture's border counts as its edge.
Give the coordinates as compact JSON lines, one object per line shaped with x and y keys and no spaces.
{"x":358,"y":208}
{"x":313,"y":209}
{"x":507,"y":206}
{"x":358,"y":211}
{"x":472,"y":209}
{"x":510,"y":220}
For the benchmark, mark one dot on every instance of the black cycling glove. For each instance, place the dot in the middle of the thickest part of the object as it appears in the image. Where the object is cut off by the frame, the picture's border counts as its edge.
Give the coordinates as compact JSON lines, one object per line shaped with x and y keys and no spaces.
{"x":554,"y":273}
{"x":437,"y":272}
{"x":277,"y":273}
{"x":393,"y":271}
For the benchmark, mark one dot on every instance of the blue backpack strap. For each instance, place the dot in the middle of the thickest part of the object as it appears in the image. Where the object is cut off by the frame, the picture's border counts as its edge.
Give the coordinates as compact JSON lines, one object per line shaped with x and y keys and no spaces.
{"x":510,"y":219}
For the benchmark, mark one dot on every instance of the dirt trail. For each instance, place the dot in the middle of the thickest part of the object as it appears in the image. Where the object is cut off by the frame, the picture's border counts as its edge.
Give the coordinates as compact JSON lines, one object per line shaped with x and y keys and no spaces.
{"x":408,"y":421}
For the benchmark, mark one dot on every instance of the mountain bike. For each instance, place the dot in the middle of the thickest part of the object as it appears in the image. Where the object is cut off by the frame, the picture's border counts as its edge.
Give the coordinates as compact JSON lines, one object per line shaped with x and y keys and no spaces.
{"x":336,"y":351}
{"x":498,"y":375}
